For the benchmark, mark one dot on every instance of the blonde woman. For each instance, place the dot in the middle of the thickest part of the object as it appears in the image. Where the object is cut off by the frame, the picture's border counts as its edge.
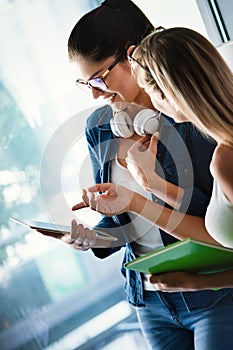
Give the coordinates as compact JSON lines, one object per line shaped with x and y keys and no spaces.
{"x":186,"y":73}
{"x":187,"y":78}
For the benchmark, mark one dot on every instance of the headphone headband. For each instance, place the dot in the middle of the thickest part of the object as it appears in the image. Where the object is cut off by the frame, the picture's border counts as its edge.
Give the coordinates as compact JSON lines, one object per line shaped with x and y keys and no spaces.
{"x":133,"y":118}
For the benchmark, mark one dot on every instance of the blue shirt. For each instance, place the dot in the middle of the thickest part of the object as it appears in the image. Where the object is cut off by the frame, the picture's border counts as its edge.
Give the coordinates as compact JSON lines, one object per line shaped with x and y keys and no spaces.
{"x":183,"y":158}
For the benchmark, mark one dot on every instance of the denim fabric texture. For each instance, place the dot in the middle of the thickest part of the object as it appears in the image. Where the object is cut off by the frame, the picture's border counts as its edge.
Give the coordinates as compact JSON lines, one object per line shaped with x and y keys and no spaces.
{"x":167,"y":324}
{"x":196,"y":180}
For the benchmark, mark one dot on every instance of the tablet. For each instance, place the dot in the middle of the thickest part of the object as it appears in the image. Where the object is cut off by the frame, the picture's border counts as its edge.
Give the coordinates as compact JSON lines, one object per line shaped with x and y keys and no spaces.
{"x":56,"y":229}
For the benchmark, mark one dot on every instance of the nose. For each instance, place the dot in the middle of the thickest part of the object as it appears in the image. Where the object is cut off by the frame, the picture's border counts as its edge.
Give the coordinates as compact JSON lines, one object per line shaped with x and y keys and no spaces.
{"x":96,"y":93}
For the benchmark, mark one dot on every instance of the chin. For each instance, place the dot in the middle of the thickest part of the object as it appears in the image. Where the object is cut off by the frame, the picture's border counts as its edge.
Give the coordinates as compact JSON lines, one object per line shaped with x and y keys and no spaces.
{"x":179,"y":118}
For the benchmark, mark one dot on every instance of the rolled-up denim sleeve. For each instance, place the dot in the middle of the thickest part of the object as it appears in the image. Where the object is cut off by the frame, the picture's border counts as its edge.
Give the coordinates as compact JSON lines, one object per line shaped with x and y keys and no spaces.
{"x":108,"y":225}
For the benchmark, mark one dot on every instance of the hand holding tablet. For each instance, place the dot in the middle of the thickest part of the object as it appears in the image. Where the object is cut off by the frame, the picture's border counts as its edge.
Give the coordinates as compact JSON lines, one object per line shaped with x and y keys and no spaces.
{"x":80,"y":237}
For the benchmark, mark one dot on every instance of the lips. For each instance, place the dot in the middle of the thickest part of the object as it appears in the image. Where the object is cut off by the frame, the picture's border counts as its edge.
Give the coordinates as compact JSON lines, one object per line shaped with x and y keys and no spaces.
{"x":110,"y":99}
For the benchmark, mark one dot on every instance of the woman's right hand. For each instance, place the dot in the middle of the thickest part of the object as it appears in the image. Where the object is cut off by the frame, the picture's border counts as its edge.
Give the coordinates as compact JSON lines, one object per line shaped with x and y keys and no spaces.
{"x":141,"y":160}
{"x":113,"y":200}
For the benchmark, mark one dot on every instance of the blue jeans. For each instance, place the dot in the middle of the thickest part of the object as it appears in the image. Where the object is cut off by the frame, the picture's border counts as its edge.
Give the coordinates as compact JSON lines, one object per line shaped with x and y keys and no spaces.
{"x":168,"y":325}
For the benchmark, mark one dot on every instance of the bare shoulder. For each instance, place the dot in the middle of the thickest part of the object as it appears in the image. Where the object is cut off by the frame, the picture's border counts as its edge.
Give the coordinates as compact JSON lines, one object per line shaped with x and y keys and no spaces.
{"x":222,"y":158}
{"x":222,"y":169}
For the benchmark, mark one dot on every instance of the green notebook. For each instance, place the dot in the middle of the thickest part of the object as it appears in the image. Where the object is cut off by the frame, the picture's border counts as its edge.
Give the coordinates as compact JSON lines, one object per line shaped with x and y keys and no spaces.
{"x":185,"y":255}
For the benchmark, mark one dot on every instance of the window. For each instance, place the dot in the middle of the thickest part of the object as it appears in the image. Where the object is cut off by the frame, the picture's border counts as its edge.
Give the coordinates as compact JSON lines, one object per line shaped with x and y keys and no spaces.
{"x":217,"y":16}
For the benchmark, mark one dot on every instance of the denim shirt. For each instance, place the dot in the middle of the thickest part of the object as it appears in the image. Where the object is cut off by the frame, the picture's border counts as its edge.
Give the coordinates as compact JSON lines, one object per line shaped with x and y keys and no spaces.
{"x":183,"y":158}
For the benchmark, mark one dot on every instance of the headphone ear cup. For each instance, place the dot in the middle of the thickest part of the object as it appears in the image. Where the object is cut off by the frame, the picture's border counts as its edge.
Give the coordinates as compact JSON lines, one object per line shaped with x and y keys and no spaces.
{"x":146,"y":122}
{"x":121,"y":124}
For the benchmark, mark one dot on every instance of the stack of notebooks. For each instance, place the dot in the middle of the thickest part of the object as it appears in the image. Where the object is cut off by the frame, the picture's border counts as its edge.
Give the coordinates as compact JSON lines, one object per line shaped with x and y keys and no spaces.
{"x":185,"y":255}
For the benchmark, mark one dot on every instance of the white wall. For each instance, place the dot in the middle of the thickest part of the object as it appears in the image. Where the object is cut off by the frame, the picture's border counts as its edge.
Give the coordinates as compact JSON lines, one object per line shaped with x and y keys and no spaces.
{"x":173,"y":13}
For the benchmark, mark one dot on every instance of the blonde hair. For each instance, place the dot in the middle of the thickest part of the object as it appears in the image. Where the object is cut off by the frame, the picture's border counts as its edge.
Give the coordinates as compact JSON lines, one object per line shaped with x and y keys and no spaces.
{"x":187,"y":68}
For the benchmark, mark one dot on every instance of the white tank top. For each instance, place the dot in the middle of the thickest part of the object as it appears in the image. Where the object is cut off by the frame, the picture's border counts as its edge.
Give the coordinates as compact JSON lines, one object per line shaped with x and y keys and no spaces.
{"x":219,"y":217}
{"x":145,"y":236}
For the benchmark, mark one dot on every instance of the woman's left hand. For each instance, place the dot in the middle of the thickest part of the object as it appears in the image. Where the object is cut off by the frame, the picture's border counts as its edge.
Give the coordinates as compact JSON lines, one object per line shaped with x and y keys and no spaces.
{"x":178,"y":281}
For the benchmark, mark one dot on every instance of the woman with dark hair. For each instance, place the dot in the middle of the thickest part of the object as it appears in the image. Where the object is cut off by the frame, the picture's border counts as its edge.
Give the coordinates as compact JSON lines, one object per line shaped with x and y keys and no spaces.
{"x":98,"y":50}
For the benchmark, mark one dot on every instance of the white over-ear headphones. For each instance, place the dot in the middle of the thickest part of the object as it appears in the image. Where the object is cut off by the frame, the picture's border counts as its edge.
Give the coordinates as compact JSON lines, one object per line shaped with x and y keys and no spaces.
{"x":134,"y":118}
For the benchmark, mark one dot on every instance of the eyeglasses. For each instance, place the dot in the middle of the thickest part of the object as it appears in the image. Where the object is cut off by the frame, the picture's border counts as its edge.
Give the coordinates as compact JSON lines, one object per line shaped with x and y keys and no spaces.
{"x":98,"y":83}
{"x":133,"y":60}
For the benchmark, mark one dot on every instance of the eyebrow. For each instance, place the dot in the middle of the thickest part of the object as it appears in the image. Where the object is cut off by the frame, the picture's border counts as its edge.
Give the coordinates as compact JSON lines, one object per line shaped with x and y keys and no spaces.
{"x":96,"y":73}
{"x":92,"y":76}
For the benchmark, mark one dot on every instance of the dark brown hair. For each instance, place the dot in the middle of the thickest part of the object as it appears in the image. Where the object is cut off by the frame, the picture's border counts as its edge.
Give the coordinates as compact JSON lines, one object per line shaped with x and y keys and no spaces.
{"x":108,"y":30}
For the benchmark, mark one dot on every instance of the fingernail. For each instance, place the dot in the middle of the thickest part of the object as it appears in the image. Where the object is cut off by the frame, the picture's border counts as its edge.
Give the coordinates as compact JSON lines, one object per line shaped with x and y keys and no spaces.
{"x":85,"y":242}
{"x":68,"y":239}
